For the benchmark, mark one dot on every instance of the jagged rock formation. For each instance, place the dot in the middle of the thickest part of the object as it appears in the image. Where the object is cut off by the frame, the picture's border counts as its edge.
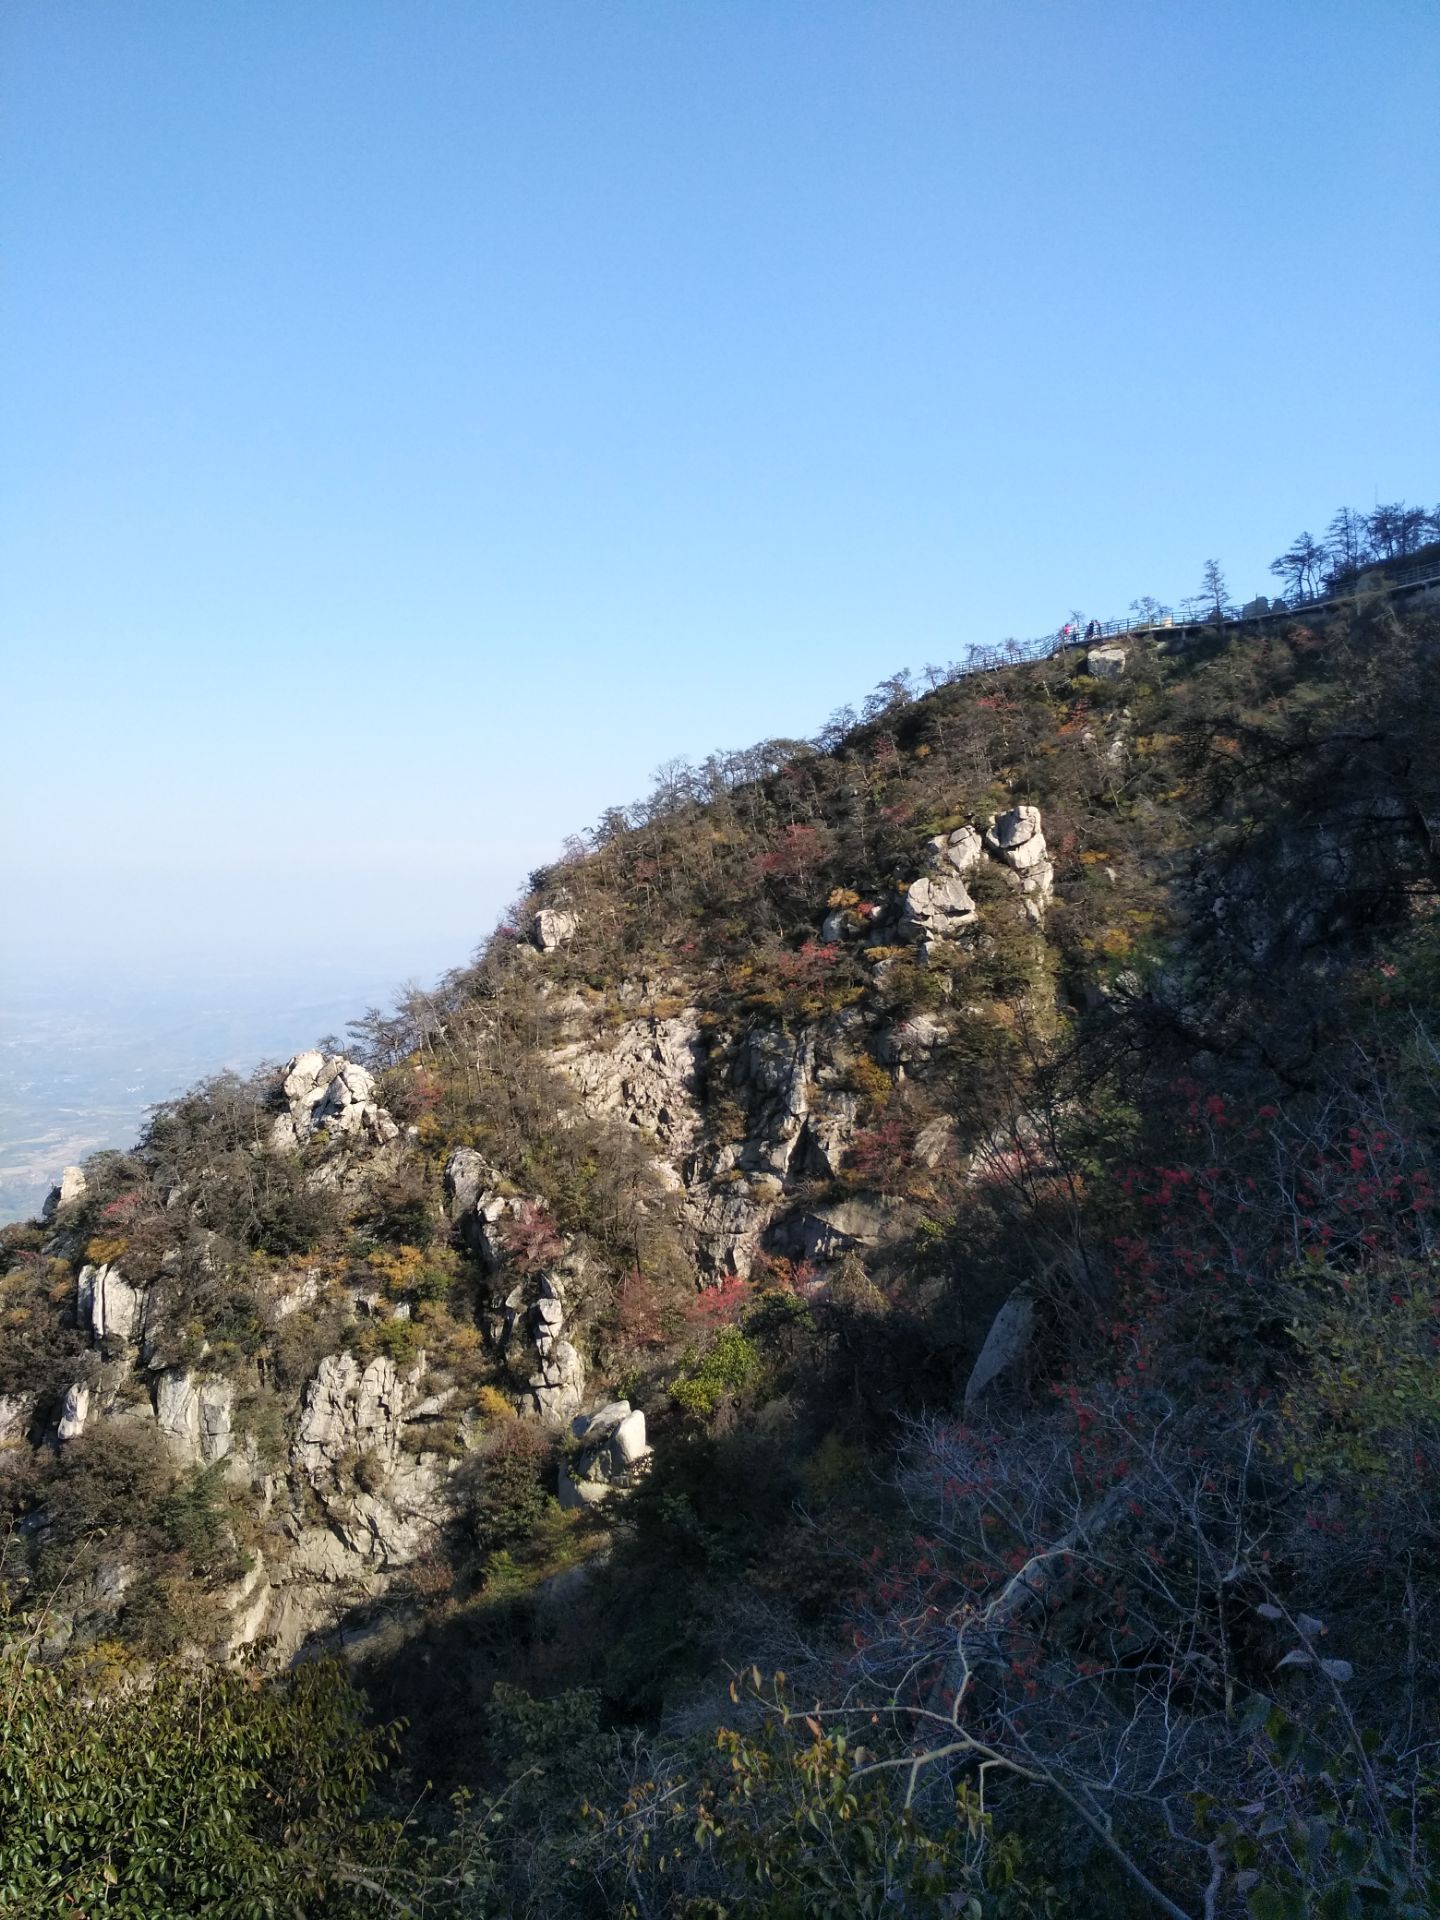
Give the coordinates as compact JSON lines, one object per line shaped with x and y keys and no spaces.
{"x":1005,"y":1345}
{"x":1016,"y":839}
{"x":489,"y":1222}
{"x":332,"y":1095}
{"x":649,"y":1075}
{"x":74,"y":1412}
{"x":196,"y":1417}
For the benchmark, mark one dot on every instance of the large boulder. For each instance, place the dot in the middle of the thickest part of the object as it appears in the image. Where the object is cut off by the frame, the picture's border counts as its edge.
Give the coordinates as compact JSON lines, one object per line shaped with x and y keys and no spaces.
{"x":913,"y":1039}
{"x":468,"y":1174}
{"x":553,"y":927}
{"x":1107,"y":663}
{"x":349,"y":1409}
{"x":1005,"y":1345}
{"x":1017,"y":828}
{"x":1017,"y":840}
{"x":609,"y":1456}
{"x":937,"y":907}
{"x":557,"y":1387}
{"x":958,"y":852}
{"x":74,"y":1412}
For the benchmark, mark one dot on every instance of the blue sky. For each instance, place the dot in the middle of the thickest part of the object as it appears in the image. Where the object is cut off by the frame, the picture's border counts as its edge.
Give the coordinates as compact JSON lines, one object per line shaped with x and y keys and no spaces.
{"x":421,"y":419}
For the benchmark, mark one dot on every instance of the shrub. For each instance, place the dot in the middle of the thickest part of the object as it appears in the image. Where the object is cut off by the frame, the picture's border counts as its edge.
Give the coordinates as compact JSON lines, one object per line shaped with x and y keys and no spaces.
{"x":499,"y":1493}
{"x":729,"y":1369}
{"x":202,"y":1792}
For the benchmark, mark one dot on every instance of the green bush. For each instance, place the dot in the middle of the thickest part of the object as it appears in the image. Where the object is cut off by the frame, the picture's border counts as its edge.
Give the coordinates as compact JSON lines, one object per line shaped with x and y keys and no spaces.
{"x":729,"y":1368}
{"x":206,"y":1792}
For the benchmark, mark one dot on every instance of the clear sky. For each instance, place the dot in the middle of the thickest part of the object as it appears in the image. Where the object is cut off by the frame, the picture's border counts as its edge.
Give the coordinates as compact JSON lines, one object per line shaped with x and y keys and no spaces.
{"x":423,"y":417}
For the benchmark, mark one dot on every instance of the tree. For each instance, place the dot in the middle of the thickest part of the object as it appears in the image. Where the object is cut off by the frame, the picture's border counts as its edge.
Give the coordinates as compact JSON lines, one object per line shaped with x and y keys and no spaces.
{"x":1215,"y":592}
{"x":1396,"y":530}
{"x":1300,"y":567}
{"x":1347,"y":543}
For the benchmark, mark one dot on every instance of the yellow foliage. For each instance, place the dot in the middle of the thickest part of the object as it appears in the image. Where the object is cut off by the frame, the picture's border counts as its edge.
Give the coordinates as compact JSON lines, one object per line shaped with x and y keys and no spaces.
{"x":397,"y":1268}
{"x":104,"y":1249}
{"x":491,"y":1404}
{"x":870,"y":1080}
{"x":843,"y":897}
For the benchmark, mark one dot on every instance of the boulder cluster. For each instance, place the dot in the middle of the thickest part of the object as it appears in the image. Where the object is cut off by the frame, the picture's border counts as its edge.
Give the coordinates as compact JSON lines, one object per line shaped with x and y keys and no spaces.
{"x":331,"y":1095}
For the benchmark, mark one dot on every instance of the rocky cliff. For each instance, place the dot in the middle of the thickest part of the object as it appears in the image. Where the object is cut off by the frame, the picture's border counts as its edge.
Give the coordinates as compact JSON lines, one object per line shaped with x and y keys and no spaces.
{"x":779,"y":1032}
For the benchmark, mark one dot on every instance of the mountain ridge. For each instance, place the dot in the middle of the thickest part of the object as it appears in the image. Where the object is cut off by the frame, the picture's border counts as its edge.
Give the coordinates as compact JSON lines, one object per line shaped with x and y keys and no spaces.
{"x":824,"y":1162}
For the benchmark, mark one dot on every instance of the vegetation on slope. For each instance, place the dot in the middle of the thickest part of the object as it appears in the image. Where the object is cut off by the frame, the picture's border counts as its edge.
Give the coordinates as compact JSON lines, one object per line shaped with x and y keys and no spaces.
{"x":1150,"y":1628}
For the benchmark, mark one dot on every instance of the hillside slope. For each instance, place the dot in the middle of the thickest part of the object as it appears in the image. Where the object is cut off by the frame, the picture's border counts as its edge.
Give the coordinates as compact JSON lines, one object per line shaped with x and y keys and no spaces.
{"x":943,"y":1212}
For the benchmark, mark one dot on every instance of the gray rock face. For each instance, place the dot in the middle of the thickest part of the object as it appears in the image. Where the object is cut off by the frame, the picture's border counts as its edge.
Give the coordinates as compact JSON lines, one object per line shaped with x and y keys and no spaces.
{"x":610,"y":1458}
{"x":1107,"y":663}
{"x":914,"y":1039}
{"x":195,"y":1416}
{"x":557,"y":1387}
{"x":349,"y":1409}
{"x":334,"y":1094}
{"x":467,"y":1174}
{"x":552,"y":927}
{"x":111,"y":1308}
{"x":1013,"y":829}
{"x":1004,"y":1347}
{"x":827,"y":1233}
{"x":649,"y":1075}
{"x":937,"y":907}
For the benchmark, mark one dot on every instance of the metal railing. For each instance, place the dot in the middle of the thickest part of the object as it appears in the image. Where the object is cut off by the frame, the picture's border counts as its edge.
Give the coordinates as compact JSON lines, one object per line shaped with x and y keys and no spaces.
{"x":1392,"y":578}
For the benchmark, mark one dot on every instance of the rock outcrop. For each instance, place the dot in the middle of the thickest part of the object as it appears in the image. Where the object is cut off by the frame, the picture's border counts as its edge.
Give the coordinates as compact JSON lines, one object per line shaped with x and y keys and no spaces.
{"x":17,"y":1410}
{"x":195,"y":1416}
{"x":72,"y":1187}
{"x":528,"y":1297}
{"x":649,"y":1075}
{"x":349,"y":1409}
{"x":937,"y":907}
{"x":108,"y":1305}
{"x":74,"y":1412}
{"x":1017,"y":840}
{"x":609,"y":1456}
{"x":333,"y":1095}
{"x":1005,"y":1345}
{"x":553,"y":927}
{"x":1107,"y":663}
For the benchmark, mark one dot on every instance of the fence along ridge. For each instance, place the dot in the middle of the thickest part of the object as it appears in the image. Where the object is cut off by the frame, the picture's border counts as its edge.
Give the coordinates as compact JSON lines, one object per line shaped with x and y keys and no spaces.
{"x":1014,"y":653}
